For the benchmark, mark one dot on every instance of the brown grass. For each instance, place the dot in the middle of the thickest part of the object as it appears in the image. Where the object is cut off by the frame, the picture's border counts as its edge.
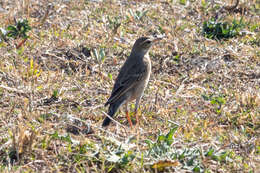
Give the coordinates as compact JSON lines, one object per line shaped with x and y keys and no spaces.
{"x":53,"y":88}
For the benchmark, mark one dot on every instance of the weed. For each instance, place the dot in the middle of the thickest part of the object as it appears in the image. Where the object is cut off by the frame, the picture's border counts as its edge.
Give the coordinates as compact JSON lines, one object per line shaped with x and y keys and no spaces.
{"x":138,"y":15}
{"x":162,"y":146}
{"x":215,"y":29}
{"x":218,"y":101}
{"x":20,"y":29}
{"x":99,"y":55}
{"x":182,"y":2}
{"x":114,"y":23}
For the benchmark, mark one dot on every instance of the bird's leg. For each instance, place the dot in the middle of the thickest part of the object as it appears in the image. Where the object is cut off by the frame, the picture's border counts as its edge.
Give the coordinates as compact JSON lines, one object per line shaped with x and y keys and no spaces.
{"x":127,"y":116}
{"x":136,"y":110}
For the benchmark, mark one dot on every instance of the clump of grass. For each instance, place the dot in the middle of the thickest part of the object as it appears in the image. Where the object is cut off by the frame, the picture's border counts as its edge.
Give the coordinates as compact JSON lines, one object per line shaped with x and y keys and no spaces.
{"x":215,"y":29}
{"x":99,"y":55}
{"x":138,"y":15}
{"x":218,"y":101}
{"x":164,"y":154}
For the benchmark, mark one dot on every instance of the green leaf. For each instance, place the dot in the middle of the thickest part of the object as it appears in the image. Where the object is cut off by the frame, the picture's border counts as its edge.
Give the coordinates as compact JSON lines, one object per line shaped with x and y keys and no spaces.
{"x":110,"y":76}
{"x":214,"y":29}
{"x":11,"y":28}
{"x":210,"y":152}
{"x":102,"y":54}
{"x":169,"y":136}
{"x":196,"y":169}
{"x":205,"y":97}
{"x":96,"y":54}
{"x":182,"y":2}
{"x":161,"y":138}
{"x":55,"y":93}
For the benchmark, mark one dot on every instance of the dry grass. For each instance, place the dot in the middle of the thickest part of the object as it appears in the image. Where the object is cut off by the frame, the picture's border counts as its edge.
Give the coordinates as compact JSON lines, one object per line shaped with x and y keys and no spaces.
{"x":53,"y":88}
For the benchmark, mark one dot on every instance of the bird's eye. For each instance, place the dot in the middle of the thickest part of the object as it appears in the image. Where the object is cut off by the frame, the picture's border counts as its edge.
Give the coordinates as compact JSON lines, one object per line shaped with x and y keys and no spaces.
{"x":148,"y":42}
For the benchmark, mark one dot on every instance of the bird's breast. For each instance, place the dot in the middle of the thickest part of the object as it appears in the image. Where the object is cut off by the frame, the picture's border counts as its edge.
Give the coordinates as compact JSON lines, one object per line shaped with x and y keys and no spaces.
{"x":147,"y":63}
{"x":138,"y":92}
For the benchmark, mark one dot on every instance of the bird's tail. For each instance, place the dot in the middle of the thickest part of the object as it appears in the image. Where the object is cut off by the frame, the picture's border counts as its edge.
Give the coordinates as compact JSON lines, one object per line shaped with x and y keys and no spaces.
{"x":113,"y":107}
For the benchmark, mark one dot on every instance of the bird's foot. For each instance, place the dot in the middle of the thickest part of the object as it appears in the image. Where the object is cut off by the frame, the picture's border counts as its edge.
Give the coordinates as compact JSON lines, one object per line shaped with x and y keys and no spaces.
{"x":129,"y":120}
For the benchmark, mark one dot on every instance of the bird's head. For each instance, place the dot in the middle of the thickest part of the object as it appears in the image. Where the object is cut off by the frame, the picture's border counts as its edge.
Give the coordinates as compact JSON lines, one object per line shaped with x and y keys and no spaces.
{"x":143,"y":44}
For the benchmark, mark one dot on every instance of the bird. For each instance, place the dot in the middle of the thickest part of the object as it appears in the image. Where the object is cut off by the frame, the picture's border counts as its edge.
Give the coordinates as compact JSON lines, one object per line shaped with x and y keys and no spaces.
{"x":132,"y":79}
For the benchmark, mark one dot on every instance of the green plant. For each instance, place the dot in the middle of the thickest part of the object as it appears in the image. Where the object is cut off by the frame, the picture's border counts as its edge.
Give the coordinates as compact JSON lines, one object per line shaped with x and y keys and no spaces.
{"x":138,"y":15}
{"x":162,"y":149}
{"x":255,"y":42}
{"x":215,"y":29}
{"x":110,"y":76}
{"x":20,"y":29}
{"x":182,"y":2}
{"x":55,"y":94}
{"x":176,"y":58}
{"x":162,"y":145}
{"x":189,"y":158}
{"x":215,"y":100}
{"x":99,"y":55}
{"x":114,"y":22}
{"x":118,"y":157}
{"x":222,"y":156}
{"x":63,"y":138}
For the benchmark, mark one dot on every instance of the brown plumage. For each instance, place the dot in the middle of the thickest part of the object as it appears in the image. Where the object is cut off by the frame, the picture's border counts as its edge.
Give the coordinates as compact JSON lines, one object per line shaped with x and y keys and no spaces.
{"x":132,"y":79}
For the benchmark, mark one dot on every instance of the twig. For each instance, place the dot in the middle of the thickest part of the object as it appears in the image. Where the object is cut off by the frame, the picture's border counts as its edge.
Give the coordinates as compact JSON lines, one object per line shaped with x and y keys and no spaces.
{"x":113,"y":120}
{"x":45,"y":15}
{"x":25,"y":93}
{"x":21,"y":43}
{"x":232,"y":7}
{"x":181,"y":87}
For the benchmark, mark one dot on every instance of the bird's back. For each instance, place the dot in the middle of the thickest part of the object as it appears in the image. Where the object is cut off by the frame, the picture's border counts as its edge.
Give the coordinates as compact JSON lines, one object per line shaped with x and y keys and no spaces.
{"x":127,"y":76}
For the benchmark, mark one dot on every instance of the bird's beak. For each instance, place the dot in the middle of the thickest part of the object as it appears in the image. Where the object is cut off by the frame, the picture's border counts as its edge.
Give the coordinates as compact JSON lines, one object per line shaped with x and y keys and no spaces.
{"x":156,"y":39}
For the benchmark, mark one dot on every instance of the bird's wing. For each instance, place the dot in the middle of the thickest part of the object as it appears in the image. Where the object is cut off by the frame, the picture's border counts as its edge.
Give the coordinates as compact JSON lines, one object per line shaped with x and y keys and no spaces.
{"x":126,"y":80}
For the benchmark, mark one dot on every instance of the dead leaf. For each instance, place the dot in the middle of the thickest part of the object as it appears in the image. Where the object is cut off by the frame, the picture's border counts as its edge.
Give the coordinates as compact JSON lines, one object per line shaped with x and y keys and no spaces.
{"x":165,"y":163}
